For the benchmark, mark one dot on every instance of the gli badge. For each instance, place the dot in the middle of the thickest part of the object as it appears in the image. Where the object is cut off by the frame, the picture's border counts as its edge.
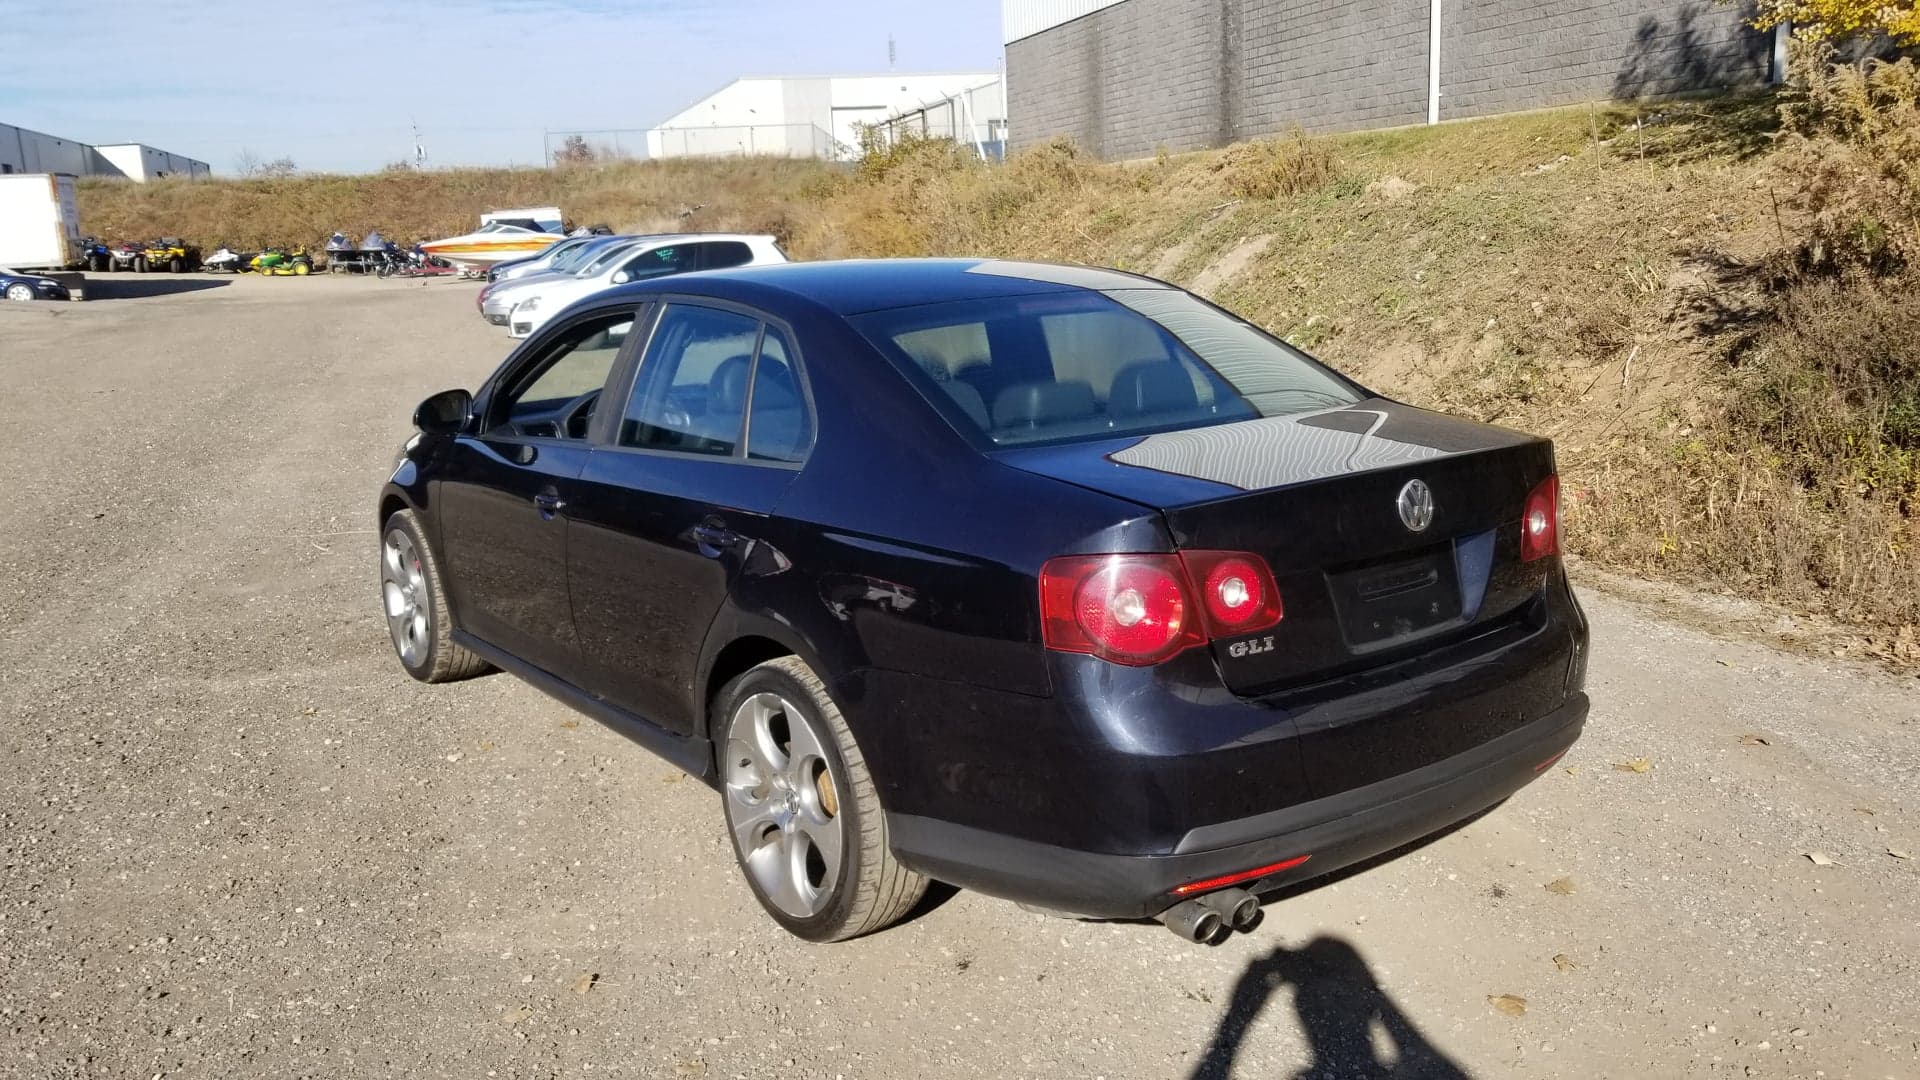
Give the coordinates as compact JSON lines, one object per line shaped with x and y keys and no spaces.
{"x":1253,"y":647}
{"x":1416,"y":506}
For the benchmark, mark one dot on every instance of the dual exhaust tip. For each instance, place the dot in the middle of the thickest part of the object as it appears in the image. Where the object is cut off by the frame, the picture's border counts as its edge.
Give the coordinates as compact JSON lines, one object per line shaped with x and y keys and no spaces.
{"x":1201,"y":919}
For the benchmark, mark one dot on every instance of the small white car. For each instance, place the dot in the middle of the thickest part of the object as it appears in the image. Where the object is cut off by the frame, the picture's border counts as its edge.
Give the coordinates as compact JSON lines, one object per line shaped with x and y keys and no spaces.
{"x":535,"y":299}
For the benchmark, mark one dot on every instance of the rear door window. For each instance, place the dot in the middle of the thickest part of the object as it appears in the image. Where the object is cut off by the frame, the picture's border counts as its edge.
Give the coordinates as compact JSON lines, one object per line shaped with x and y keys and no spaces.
{"x":661,"y":261}
{"x":691,"y":391}
{"x":779,"y":426}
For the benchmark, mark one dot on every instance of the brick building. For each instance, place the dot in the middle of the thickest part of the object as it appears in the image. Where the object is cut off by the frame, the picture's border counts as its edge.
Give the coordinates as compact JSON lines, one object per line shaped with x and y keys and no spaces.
{"x":1126,"y":78}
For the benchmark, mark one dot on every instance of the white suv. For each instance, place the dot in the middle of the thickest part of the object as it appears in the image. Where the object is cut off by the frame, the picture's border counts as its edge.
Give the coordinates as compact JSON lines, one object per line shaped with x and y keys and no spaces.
{"x":533,"y":300}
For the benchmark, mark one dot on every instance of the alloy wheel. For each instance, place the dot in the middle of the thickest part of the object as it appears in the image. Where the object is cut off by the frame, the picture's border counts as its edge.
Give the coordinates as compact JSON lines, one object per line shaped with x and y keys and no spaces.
{"x":403,"y":584}
{"x":19,"y":292}
{"x":782,"y":804}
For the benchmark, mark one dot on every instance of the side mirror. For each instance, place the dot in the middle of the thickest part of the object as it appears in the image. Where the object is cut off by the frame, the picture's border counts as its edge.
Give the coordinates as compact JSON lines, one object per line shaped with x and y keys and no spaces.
{"x":445,"y":413}
{"x":622,"y":277}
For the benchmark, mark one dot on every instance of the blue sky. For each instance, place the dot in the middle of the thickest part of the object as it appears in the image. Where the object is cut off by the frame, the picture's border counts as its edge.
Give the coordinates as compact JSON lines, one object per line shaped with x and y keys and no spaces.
{"x":337,"y":84}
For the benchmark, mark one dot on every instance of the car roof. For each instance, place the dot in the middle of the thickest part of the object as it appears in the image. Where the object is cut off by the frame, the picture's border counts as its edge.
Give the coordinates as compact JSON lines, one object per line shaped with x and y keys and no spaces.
{"x":852,"y":287}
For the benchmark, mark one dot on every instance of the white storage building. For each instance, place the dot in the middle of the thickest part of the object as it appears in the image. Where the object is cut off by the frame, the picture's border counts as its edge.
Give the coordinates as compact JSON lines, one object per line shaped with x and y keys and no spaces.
{"x":801,"y":115}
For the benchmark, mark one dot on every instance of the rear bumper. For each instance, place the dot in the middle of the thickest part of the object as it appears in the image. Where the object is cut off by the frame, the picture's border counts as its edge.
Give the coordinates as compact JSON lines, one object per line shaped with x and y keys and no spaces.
{"x":1334,"y":832}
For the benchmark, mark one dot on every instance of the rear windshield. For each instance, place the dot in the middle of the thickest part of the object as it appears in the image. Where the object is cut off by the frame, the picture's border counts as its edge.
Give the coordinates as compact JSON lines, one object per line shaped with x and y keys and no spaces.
{"x":1086,"y":365}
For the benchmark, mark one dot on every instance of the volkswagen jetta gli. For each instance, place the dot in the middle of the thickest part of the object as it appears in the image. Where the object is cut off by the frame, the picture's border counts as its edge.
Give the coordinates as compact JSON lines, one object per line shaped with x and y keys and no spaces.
{"x":1056,"y":583}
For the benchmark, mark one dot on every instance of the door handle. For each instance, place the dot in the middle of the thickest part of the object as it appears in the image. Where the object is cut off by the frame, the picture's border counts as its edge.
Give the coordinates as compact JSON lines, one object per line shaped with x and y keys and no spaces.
{"x":549,"y":504}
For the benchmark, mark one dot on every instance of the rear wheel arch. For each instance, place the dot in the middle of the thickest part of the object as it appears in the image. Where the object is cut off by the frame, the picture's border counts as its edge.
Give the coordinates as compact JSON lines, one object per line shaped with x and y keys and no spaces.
{"x":390,"y":504}
{"x":736,"y":658}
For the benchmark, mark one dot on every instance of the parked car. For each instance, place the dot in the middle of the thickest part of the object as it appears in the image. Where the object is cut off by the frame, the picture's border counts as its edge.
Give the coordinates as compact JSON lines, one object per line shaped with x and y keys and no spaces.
{"x":15,"y":285}
{"x":530,"y":303}
{"x":1056,"y":583}
{"x":545,"y":260}
{"x":568,"y":262}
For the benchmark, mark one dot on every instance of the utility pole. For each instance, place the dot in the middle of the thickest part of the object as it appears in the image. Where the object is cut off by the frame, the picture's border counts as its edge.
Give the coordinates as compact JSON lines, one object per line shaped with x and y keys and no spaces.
{"x":891,"y":54}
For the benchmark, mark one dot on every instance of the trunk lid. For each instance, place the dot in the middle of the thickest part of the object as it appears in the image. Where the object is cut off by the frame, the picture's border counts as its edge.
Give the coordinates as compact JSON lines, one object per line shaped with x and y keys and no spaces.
{"x":1318,"y":496}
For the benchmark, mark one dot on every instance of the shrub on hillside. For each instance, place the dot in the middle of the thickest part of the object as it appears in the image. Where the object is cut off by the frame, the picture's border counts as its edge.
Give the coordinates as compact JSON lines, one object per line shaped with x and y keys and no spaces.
{"x":1295,"y":164}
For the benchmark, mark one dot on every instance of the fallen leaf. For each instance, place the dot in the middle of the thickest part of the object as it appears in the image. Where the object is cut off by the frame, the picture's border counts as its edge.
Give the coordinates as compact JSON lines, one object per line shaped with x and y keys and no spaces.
{"x":672,"y":778}
{"x":585,"y":982}
{"x":1721,"y":662}
{"x":1509,"y":1004}
{"x":1573,"y":770}
{"x":1867,"y":810}
{"x":1754,"y":740}
{"x":1638,"y":764}
{"x":569,"y":724}
{"x":514,"y":1016}
{"x":1563,"y":962}
{"x":486,"y":744}
{"x":1560,"y":886}
{"x":1899,"y":854}
{"x":1820,"y":858}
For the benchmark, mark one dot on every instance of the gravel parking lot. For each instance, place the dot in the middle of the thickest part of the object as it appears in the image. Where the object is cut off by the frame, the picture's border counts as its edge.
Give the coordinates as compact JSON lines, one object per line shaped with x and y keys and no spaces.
{"x":240,"y":842}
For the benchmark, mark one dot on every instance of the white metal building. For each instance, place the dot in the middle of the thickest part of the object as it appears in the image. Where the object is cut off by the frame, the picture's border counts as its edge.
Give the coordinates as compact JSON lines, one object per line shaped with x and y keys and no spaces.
{"x":23,"y":150}
{"x":801,"y":115}
{"x":138,"y":162}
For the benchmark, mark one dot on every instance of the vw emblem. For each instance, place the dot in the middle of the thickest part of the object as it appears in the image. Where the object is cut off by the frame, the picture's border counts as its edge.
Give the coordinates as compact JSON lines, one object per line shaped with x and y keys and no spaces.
{"x":1416,"y":506}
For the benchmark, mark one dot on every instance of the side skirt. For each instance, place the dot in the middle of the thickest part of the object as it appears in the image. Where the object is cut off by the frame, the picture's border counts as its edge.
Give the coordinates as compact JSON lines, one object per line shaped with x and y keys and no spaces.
{"x":688,"y":753}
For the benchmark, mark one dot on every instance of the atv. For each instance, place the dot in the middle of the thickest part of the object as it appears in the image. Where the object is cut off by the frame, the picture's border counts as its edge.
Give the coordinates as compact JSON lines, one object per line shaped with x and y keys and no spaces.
{"x":127,"y":255}
{"x":279,"y":262}
{"x":95,"y":255}
{"x":170,"y":253}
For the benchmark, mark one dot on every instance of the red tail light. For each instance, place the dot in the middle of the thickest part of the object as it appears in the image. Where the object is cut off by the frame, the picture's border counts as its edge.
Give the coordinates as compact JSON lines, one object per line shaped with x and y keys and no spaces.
{"x":1236,"y":589}
{"x":1141,"y":609}
{"x":1540,"y":523}
{"x":1130,"y":609}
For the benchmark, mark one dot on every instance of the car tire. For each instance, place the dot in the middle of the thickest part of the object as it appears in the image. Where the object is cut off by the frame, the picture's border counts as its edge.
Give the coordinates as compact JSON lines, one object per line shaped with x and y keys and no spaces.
{"x":20,"y":292}
{"x":413,"y":597}
{"x":177,"y":265}
{"x":779,"y":733}
{"x":140,"y":265}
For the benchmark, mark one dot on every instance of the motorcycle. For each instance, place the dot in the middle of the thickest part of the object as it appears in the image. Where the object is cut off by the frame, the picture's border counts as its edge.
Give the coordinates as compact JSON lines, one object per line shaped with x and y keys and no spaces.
{"x":228,"y":261}
{"x":278,"y":262}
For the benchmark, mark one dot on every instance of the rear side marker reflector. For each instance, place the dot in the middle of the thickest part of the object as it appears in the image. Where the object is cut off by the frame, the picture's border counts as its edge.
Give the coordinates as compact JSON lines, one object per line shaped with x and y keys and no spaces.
{"x":1221,"y":882}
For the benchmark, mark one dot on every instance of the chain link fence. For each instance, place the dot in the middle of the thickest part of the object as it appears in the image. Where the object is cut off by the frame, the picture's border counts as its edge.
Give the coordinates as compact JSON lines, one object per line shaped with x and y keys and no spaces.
{"x":744,"y":140}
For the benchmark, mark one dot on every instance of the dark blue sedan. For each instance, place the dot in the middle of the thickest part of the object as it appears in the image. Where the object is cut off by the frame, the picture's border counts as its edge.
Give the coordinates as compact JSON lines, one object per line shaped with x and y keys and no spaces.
{"x":15,"y":285}
{"x":1056,"y":583}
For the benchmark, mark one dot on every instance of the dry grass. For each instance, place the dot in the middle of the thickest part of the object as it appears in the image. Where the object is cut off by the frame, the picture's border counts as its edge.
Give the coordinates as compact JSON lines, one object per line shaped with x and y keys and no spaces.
{"x":1610,"y":276}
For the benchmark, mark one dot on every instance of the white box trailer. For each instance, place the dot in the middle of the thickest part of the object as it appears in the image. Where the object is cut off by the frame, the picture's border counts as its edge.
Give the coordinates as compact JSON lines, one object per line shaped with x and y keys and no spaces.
{"x":39,"y":222}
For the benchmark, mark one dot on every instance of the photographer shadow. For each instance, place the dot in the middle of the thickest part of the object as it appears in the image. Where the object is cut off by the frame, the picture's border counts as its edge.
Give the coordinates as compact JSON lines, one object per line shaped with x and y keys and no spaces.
{"x":1343,"y":1012}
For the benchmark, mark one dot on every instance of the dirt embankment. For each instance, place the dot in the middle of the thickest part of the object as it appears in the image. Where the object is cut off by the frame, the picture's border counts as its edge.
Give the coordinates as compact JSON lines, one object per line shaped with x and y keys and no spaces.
{"x":1607,"y":275}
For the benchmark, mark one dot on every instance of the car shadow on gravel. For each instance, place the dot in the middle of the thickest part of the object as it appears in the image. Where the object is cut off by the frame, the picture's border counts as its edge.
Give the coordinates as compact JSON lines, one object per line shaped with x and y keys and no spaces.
{"x":1343,"y":1013}
{"x":142,"y":288}
{"x":1339,"y":1004}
